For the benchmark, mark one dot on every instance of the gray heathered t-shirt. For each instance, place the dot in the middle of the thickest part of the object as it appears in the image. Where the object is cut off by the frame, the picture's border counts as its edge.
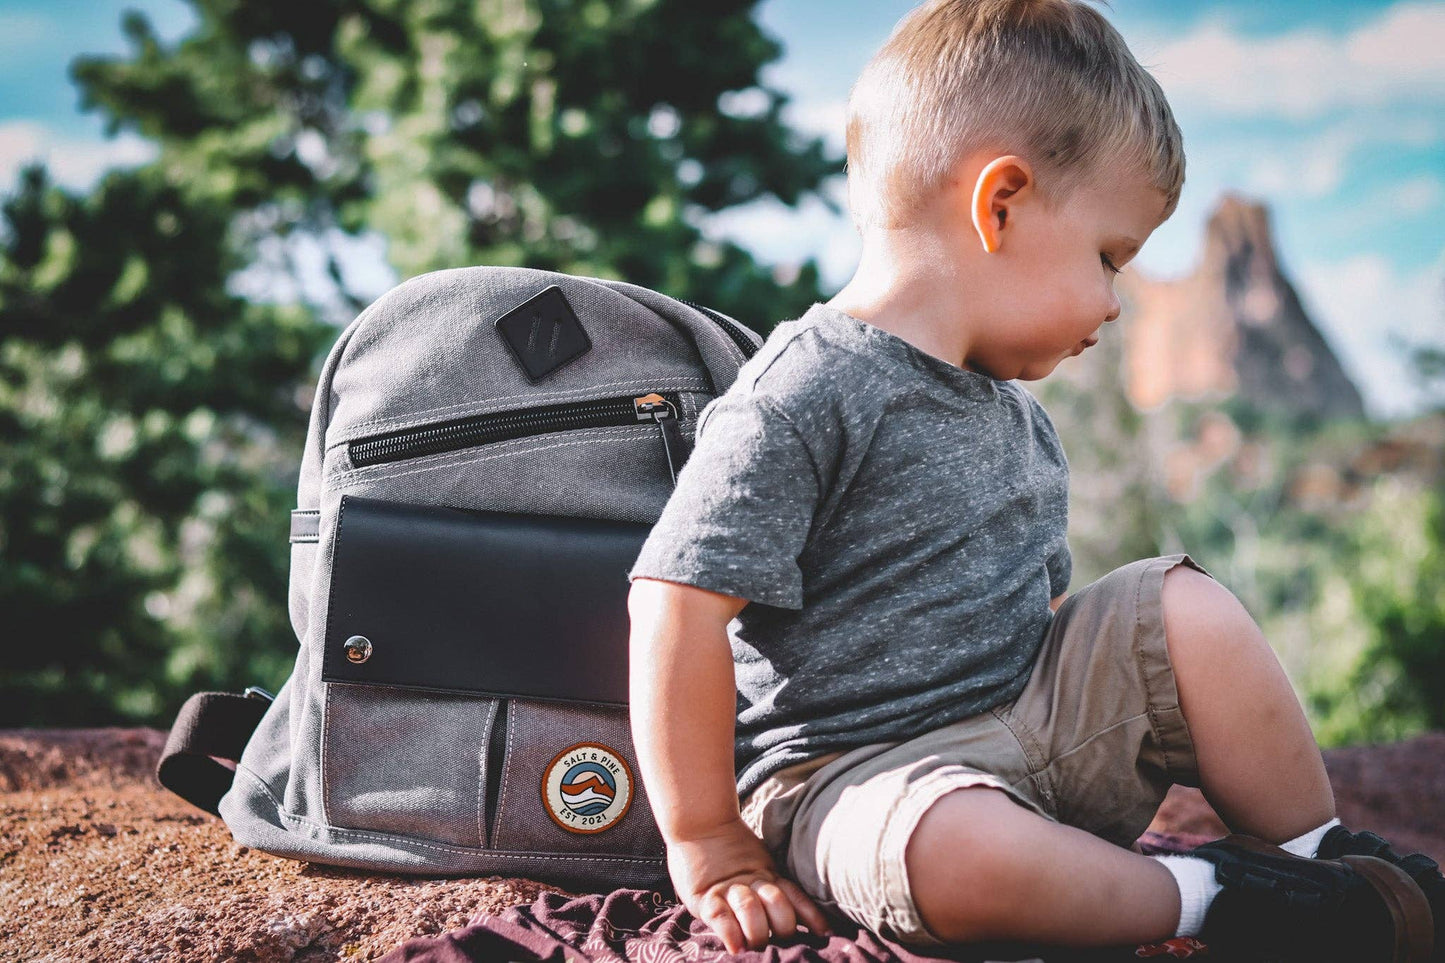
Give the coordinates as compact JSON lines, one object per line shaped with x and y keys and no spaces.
{"x":898,"y":524}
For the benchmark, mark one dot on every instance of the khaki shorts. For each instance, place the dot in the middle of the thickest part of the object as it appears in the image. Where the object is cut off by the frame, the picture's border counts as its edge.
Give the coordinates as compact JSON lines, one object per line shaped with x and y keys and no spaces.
{"x":1094,"y":741}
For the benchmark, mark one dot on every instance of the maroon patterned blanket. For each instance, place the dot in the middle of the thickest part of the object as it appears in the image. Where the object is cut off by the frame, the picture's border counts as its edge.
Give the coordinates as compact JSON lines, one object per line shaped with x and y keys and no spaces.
{"x":639,"y":926}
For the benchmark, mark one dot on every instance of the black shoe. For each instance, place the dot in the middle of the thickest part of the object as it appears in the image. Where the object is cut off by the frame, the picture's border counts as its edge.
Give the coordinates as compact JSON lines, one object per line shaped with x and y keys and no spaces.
{"x":1358,"y":909}
{"x":1339,"y":841}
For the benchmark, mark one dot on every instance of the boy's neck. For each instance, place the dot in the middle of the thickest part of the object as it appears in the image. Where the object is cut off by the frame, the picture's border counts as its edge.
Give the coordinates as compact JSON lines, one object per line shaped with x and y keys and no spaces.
{"x":908,"y":284}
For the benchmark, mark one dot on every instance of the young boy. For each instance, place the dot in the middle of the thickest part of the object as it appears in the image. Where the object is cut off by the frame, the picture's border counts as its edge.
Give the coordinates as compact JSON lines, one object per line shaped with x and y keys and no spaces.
{"x":852,"y":612}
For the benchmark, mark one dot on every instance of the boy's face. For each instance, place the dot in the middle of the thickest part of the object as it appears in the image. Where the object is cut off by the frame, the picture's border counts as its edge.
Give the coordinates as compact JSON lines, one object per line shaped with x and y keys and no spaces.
{"x":1051,"y":276}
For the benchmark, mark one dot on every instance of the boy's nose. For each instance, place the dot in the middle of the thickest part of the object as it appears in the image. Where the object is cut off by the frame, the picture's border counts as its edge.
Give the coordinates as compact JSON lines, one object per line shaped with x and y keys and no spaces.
{"x":1114,"y":307}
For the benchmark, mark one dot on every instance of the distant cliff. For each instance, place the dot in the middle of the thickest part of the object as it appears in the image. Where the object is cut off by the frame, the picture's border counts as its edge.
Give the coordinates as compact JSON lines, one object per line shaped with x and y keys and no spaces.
{"x":1234,"y":327}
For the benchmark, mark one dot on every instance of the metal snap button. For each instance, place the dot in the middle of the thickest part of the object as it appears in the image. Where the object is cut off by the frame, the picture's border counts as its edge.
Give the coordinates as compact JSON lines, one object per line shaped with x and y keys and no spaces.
{"x":358,"y":649}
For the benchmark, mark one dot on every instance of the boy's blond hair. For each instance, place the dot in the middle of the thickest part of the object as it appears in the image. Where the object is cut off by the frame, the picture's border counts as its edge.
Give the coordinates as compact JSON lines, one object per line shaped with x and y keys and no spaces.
{"x":1050,"y":80}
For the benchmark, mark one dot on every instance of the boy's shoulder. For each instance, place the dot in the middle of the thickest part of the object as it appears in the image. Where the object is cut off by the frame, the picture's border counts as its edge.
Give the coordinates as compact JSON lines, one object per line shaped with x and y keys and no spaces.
{"x":808,"y":363}
{"x":806,"y":383}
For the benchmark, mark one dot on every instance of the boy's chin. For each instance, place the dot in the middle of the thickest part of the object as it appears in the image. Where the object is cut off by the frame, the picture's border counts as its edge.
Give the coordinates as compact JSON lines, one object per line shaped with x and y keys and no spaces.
{"x":1035,"y":370}
{"x":1031,"y":370}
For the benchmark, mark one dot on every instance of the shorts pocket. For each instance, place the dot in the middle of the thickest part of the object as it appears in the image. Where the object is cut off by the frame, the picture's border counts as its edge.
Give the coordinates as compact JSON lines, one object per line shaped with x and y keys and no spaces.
{"x":406,"y":762}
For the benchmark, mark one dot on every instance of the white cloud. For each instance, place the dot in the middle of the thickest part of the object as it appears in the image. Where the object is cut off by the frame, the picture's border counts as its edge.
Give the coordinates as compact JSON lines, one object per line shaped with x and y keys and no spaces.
{"x":1363,"y":304}
{"x":1418,"y":194}
{"x":294,"y":269}
{"x":74,"y":162}
{"x":1315,"y":164}
{"x":1294,"y":172}
{"x":1405,"y":43}
{"x":1395,"y":57}
{"x":1310,"y":167}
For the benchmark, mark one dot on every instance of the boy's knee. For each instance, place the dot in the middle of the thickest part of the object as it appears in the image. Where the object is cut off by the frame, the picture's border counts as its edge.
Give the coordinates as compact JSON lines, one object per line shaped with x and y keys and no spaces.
{"x":1200,"y":612}
{"x":958,"y":860}
{"x":1188,"y":595}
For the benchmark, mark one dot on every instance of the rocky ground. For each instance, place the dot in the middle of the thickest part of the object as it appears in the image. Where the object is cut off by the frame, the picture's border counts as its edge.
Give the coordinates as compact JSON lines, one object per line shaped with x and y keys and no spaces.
{"x":97,"y":862}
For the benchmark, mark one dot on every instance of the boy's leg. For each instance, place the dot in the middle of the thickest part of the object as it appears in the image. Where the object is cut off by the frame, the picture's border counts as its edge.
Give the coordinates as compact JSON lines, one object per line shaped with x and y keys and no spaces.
{"x":1259,"y":765}
{"x":1247,"y":744}
{"x":1094,"y":741}
{"x":1015,"y":875}
{"x":1107,"y":732}
{"x":970,"y":832}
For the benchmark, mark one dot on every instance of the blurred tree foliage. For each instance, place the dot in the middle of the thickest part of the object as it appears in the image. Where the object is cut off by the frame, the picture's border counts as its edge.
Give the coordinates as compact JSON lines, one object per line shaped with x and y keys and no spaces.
{"x":587,"y":137}
{"x":151,"y":416}
{"x":1110,"y":453}
{"x":140,"y":407}
{"x":1394,"y":552}
{"x":1390,"y":682}
{"x":1401,"y":592}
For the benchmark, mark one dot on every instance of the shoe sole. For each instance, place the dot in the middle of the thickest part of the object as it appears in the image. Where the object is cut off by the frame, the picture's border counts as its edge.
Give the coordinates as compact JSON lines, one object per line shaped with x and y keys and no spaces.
{"x":1410,"y":910}
{"x":1414,"y":922}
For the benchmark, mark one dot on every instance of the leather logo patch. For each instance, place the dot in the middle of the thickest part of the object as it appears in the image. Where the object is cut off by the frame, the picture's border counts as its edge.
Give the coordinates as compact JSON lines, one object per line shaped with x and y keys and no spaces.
{"x":544,"y":334}
{"x":587,"y":788}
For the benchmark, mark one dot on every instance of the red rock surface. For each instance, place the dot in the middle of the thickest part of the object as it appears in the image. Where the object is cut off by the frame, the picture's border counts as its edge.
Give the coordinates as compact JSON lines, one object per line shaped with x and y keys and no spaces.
{"x":97,"y":862}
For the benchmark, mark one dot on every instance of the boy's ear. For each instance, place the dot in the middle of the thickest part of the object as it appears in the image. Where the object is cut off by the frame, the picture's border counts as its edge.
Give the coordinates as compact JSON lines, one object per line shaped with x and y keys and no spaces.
{"x":995,"y":196}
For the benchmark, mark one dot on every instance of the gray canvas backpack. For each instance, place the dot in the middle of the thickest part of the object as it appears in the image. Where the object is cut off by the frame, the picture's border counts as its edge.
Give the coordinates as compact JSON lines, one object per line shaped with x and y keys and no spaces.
{"x":487,"y":449}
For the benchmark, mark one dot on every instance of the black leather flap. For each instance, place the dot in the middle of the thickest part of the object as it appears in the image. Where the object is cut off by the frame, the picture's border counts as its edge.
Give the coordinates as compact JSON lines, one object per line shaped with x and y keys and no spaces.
{"x":495,"y":603}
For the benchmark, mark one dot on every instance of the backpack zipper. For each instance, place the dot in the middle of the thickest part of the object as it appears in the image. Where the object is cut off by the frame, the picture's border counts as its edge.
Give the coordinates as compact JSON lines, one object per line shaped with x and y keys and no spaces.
{"x":733,"y":329}
{"x":664,"y":412}
{"x":498,"y":426}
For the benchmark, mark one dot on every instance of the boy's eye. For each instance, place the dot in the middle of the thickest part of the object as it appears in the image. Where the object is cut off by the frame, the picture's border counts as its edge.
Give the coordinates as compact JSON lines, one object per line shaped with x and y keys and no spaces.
{"x":1110,"y":264}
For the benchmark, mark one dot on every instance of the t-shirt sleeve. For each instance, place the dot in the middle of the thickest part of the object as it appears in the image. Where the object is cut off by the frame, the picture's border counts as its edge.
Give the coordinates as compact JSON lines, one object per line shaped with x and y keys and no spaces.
{"x":740,"y":514}
{"x":1061,"y":569}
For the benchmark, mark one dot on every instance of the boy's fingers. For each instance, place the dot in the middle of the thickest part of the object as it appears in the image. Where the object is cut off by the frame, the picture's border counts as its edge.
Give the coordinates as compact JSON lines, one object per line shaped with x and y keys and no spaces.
{"x":807,"y":910}
{"x":715,"y":912}
{"x":781,"y":918}
{"x":750,"y":913}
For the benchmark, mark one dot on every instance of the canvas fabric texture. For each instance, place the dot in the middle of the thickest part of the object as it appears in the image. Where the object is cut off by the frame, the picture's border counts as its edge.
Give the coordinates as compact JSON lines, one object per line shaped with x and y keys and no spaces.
{"x":899,"y":524}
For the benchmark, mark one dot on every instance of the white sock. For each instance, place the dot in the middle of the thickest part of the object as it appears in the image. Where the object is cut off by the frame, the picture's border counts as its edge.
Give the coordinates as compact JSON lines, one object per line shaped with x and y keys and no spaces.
{"x":1308,"y":844}
{"x":1197,"y":889}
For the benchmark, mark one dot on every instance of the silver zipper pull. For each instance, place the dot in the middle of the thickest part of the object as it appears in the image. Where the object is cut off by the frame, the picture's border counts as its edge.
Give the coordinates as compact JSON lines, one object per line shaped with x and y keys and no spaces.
{"x":655,"y":407}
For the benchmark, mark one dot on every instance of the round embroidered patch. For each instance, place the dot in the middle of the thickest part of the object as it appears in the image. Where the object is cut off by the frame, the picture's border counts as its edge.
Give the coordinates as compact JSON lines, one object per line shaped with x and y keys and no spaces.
{"x":586,"y":788}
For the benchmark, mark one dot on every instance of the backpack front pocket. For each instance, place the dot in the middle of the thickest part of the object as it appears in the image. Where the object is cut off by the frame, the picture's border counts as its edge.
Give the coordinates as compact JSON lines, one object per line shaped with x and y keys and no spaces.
{"x":459,"y":649}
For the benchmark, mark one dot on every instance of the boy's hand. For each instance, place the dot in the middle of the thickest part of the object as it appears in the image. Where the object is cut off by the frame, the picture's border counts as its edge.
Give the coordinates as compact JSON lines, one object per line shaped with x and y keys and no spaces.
{"x":728,"y":880}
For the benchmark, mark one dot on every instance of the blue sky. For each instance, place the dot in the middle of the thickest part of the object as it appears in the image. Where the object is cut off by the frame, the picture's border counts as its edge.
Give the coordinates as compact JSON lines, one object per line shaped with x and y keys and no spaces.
{"x":1331,"y":112}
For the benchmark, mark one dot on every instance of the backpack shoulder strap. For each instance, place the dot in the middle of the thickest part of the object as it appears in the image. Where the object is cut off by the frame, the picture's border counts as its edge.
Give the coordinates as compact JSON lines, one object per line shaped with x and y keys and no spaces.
{"x":210,"y":726}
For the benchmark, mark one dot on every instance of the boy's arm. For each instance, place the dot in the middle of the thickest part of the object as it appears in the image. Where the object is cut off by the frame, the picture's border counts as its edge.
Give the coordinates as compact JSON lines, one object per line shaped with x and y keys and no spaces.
{"x":683,"y":707}
{"x":1057,"y":600}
